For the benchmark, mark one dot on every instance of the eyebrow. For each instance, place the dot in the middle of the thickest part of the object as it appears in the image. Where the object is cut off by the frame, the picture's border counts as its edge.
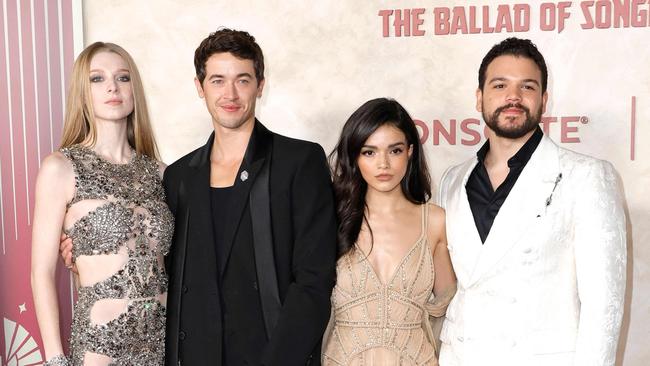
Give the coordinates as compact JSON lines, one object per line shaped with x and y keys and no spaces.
{"x":120,"y":70}
{"x":504,"y":79}
{"x":389,"y":146}
{"x":242,"y":75}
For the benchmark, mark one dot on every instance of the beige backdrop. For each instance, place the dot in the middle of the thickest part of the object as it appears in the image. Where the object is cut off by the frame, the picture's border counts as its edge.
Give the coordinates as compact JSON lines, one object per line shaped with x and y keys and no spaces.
{"x":325,"y":58}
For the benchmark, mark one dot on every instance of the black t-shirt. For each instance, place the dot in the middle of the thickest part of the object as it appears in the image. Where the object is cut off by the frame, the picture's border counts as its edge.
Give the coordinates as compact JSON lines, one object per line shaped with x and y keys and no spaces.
{"x":221,"y":203}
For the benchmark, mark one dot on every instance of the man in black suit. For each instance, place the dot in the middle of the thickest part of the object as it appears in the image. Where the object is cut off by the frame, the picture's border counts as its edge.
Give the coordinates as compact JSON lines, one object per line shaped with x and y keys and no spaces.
{"x":252,"y":264}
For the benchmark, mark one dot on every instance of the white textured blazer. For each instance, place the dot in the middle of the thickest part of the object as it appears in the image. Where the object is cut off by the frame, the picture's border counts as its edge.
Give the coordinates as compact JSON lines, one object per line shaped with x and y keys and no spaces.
{"x":547,"y":287}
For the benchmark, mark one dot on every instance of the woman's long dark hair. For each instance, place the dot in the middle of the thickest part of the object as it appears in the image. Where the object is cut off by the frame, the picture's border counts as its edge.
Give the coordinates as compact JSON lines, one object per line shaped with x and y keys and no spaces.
{"x":350,"y":187}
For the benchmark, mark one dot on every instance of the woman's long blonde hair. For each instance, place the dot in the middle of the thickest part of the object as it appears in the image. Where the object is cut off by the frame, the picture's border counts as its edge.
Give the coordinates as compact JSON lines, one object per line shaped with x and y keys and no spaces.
{"x":79,"y":123}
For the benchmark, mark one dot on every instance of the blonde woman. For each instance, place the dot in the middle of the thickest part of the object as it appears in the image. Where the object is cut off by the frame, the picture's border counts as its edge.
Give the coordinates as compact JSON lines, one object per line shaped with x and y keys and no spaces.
{"x":103,"y":188}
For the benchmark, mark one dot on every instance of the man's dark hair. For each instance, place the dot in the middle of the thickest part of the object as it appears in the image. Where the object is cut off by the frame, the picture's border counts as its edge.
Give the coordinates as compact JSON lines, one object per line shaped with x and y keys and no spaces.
{"x":514,"y":47}
{"x":241,"y":44}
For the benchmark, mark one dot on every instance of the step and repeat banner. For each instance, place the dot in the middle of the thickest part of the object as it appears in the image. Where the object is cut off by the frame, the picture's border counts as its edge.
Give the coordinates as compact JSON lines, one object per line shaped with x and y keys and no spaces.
{"x":323,"y":60}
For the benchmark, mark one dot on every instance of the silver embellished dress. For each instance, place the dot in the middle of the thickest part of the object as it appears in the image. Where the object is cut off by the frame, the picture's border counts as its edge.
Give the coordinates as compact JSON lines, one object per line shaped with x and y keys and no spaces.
{"x":122,"y":232}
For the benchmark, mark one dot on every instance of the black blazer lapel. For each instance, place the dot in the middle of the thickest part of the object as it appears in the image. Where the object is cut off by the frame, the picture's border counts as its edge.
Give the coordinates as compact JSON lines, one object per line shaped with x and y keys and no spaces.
{"x":243,"y":182}
{"x":198,"y":192}
{"x":251,"y":187}
{"x":254,"y":191}
{"x":260,"y":206}
{"x":251,"y":163}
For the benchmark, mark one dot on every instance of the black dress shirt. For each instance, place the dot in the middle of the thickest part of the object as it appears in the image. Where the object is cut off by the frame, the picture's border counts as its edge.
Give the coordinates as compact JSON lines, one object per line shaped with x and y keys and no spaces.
{"x":484,"y":201}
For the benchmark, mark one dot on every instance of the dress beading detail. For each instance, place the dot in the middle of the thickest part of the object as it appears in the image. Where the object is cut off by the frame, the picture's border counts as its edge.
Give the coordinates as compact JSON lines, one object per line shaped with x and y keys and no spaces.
{"x":382,"y":324}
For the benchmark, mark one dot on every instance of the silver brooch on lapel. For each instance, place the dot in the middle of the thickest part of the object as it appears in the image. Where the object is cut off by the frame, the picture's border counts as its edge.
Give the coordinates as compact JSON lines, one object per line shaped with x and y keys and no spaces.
{"x":550,"y":198}
{"x":243,"y":176}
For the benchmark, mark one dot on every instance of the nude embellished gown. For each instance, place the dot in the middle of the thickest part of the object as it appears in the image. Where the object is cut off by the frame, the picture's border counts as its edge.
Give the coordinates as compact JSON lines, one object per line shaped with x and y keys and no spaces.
{"x":377,"y":323}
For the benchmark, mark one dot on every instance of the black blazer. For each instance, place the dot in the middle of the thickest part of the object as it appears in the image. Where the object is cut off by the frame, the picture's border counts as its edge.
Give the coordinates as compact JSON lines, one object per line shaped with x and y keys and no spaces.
{"x":293,"y":224}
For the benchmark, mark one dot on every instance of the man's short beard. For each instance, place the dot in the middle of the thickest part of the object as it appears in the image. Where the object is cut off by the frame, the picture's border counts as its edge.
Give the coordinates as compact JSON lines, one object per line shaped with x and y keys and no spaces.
{"x":514,"y":132}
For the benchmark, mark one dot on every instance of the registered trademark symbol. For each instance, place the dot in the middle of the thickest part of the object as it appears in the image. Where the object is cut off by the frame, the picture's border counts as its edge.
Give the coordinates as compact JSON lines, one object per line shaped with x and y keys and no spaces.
{"x":584,"y":120}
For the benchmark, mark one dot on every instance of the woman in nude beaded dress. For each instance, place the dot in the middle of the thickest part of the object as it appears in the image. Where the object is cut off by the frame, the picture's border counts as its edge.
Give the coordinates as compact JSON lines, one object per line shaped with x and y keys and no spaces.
{"x":104,"y":189}
{"x":392,"y":246}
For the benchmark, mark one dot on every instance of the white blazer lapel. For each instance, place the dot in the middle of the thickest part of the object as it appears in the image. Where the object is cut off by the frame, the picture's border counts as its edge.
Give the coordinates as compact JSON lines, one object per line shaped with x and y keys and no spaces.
{"x":464,"y":240}
{"x":523,"y":208}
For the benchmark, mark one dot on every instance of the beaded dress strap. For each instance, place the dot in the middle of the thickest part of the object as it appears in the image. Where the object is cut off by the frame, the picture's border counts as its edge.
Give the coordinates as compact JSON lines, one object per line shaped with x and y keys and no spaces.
{"x":425,"y":226}
{"x":425,"y":219}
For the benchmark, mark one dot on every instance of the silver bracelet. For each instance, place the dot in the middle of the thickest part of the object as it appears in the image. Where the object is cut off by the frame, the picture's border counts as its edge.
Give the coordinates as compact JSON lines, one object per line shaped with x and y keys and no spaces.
{"x":58,"y":360}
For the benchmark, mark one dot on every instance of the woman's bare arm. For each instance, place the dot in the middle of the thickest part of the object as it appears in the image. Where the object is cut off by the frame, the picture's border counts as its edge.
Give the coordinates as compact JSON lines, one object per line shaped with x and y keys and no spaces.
{"x":444,"y":285}
{"x":54,"y":188}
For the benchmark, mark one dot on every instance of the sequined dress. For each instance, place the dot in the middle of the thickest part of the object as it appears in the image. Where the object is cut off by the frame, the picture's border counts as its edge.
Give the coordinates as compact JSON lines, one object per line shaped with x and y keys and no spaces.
{"x":127,"y":227}
{"x":383,"y":324}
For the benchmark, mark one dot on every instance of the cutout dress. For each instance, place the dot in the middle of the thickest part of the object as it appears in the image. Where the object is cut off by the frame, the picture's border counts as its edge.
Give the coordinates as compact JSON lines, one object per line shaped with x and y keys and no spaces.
{"x":121,"y":230}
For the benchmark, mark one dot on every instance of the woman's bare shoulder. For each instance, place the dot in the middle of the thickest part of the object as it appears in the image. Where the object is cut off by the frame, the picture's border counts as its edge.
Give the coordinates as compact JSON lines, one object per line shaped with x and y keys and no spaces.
{"x":57,"y":173}
{"x":436,"y":231}
{"x":436,"y":215}
{"x":56,"y":165}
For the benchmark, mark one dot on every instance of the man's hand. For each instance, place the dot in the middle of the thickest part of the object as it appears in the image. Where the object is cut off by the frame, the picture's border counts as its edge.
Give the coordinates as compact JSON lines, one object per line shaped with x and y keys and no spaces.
{"x":65,"y":248}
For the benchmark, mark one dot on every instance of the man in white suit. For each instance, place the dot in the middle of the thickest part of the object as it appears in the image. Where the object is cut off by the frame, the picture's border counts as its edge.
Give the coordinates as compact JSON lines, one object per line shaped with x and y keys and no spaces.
{"x":536,"y":234}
